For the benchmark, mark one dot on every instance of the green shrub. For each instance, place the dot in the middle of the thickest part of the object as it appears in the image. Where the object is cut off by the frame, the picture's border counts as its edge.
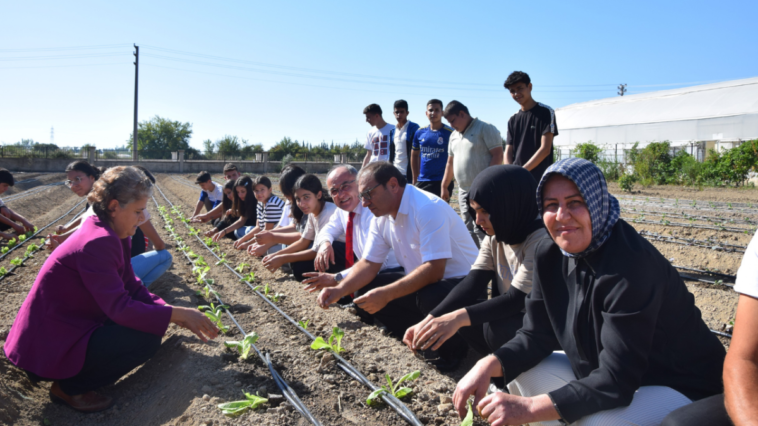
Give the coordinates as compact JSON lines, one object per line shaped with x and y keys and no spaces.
{"x":627,"y":181}
{"x":588,"y":150}
{"x":653,"y":163}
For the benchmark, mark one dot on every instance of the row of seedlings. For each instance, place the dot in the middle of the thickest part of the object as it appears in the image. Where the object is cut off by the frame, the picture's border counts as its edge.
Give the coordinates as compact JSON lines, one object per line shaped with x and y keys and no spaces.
{"x":701,"y":205}
{"x":388,"y":394}
{"x":243,"y":347}
{"x":693,"y":242}
{"x":713,"y":220}
{"x":665,"y":222}
{"x":31,"y":249}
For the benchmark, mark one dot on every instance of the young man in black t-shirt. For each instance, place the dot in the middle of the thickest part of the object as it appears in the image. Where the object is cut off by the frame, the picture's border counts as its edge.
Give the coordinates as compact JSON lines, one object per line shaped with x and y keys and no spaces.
{"x":530,"y":130}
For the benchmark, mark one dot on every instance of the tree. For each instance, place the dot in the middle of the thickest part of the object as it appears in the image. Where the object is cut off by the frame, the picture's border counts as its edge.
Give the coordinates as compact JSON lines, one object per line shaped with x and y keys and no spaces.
{"x":248,"y":151}
{"x":159,"y":136}
{"x":229,"y":146}
{"x":284,"y":147}
{"x":209,"y":146}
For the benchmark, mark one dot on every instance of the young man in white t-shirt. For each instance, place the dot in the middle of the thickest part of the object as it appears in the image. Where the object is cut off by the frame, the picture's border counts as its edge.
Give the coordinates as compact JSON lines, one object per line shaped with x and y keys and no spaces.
{"x":379,"y":139}
{"x":212,"y":194}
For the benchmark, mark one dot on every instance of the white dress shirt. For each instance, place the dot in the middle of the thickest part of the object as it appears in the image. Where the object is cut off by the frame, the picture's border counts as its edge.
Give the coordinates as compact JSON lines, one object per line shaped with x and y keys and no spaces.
{"x":336,"y":228}
{"x":401,"y":157}
{"x":426,"y":228}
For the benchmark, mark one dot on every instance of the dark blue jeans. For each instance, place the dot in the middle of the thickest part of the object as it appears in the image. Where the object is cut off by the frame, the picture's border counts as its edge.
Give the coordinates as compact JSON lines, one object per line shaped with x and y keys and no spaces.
{"x":113,"y":350}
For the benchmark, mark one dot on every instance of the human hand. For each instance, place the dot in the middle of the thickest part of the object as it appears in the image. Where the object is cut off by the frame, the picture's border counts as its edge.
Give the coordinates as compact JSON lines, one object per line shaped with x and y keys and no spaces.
{"x":273,"y":262}
{"x":500,"y":408}
{"x":202,"y":218}
{"x":410,"y":333}
{"x":18,"y":228}
{"x":52,"y":242}
{"x":239,"y":244}
{"x":60,"y":229}
{"x":373,"y":301}
{"x":475,"y":382}
{"x":27,"y":225}
{"x":328,"y":296}
{"x":445,"y":194}
{"x":210,"y":232}
{"x":264,"y":237}
{"x":318,"y":280}
{"x":257,"y":250}
{"x":436,"y":331}
{"x":218,"y":236}
{"x":195,"y":321}
{"x":324,"y":257}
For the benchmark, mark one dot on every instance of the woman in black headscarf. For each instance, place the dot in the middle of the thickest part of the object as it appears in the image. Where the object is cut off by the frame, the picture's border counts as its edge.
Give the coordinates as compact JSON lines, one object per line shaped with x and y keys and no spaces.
{"x":502,"y":198}
{"x":635,"y":345}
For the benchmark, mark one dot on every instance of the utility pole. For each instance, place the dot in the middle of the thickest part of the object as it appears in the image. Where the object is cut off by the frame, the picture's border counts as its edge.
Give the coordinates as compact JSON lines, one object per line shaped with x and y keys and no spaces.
{"x":136,"y":79}
{"x":622,"y":89}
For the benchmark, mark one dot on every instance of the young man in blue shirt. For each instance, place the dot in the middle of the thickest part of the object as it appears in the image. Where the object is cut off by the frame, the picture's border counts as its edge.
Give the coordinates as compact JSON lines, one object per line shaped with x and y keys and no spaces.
{"x":429,"y":151}
{"x":211,"y":195}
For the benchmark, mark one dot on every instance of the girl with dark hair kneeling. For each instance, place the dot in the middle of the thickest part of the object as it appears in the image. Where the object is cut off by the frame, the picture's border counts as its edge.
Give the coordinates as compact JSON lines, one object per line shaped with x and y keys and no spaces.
{"x":88,"y":320}
{"x":314,"y":202}
{"x":636,"y":347}
{"x":502,"y":199}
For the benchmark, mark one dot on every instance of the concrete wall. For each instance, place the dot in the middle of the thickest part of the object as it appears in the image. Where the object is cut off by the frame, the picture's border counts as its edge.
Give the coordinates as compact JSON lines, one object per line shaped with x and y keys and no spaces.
{"x":163,"y":166}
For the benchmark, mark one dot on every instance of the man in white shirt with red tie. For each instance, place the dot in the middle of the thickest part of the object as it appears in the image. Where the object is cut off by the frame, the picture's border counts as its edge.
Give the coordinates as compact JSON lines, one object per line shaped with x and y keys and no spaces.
{"x":430,"y":242}
{"x":351,"y":220}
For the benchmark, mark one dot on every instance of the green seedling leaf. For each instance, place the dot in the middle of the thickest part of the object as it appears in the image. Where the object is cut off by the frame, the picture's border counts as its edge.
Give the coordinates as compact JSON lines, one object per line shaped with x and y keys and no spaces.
{"x":238,"y":407}
{"x":319,"y":344}
{"x":375,"y":397}
{"x":22,"y":238}
{"x":192,"y":255}
{"x":393,"y":389}
{"x":403,"y":392}
{"x":241,"y":267}
{"x":304,"y":324}
{"x":42,"y":241}
{"x":5,"y":250}
{"x":222,"y":261}
{"x":243,"y":347}
{"x":12,"y":242}
{"x":334,"y":344}
{"x":17,"y":262}
{"x":469,"y":419}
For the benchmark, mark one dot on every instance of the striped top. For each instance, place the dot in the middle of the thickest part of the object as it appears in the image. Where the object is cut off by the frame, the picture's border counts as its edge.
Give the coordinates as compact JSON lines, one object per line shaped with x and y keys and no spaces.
{"x":270,"y":211}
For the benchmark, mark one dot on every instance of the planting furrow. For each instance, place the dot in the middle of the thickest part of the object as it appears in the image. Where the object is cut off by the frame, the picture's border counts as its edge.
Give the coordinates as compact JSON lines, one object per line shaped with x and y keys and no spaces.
{"x":29,"y":192}
{"x":694,"y":204}
{"x":714,"y":220}
{"x":748,"y":231}
{"x":707,"y":244}
{"x":280,"y":382}
{"x":343,"y":364}
{"x":23,"y":239}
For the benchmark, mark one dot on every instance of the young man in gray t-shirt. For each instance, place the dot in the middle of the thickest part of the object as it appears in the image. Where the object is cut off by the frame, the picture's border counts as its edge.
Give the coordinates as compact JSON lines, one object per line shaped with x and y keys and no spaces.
{"x":474,"y":146}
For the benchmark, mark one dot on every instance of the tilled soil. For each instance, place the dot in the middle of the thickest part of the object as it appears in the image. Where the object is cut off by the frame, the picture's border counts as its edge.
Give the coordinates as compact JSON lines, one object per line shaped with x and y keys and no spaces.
{"x":187,"y":378}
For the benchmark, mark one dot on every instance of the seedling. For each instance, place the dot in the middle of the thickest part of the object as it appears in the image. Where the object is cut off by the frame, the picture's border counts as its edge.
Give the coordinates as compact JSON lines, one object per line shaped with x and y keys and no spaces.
{"x":274,"y":297}
{"x":207,"y":293}
{"x":17,"y":262}
{"x":4,"y":250}
{"x":213,"y":313}
{"x":22,"y":238}
{"x":193,"y":232}
{"x":201,"y":274}
{"x":249,"y":277}
{"x":12,"y":242}
{"x":236,"y":408}
{"x":394,"y":390}
{"x":3,"y":271}
{"x":304,"y":324}
{"x":222,"y":261}
{"x":192,"y":255}
{"x":42,"y":241}
{"x":469,"y":419}
{"x":241,"y":267}
{"x":335,"y":342}
{"x":243,"y":347}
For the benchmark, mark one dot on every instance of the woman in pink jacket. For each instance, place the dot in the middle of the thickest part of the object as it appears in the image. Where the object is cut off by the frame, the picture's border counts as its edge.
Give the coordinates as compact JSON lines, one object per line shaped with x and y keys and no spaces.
{"x":87,"y":321}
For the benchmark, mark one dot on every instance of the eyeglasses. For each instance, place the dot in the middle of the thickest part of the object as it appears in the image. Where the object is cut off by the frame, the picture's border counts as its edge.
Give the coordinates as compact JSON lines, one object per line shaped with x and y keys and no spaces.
{"x":366,"y":195}
{"x":69,"y":183}
{"x":343,"y":188}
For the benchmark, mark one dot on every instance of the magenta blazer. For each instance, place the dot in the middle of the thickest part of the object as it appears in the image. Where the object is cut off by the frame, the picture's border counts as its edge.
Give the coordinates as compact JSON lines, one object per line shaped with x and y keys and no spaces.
{"x":86,"y":281}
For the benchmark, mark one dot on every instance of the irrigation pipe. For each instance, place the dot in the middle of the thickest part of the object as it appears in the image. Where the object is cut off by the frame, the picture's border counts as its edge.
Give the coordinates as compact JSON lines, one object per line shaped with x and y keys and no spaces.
{"x":702,"y":271}
{"x":31,"y":191}
{"x":280,"y":382}
{"x":713,"y":245}
{"x":683,"y":215}
{"x":41,"y":229}
{"x":689,"y":203}
{"x":351,"y":371}
{"x":690,"y":225}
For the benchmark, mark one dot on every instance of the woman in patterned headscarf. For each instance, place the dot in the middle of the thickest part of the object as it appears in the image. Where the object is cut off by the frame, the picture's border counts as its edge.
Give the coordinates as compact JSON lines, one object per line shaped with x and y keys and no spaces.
{"x":635,"y":345}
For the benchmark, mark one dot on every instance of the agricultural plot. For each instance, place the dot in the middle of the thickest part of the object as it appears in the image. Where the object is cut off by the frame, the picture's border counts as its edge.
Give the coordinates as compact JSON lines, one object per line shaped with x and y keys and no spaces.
{"x":313,"y":366}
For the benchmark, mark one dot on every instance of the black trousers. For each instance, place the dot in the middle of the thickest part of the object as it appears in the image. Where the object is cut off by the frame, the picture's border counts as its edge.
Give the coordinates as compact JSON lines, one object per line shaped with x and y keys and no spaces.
{"x":208,"y":204}
{"x":488,"y":337}
{"x":299,"y":268}
{"x":709,"y":411}
{"x":113,"y":350}
{"x":407,"y":311}
{"x":435,"y":187}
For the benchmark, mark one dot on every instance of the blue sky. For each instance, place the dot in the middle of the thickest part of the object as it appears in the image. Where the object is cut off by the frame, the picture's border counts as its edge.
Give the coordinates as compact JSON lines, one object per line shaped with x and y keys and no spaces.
{"x":265,"y":70}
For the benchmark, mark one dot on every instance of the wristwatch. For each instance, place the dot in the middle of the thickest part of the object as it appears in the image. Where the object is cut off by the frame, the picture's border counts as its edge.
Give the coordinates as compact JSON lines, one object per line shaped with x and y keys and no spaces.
{"x":338,"y":277}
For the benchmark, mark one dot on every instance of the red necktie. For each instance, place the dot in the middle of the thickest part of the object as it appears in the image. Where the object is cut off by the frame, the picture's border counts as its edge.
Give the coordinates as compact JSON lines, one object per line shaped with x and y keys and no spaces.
{"x":349,"y":257}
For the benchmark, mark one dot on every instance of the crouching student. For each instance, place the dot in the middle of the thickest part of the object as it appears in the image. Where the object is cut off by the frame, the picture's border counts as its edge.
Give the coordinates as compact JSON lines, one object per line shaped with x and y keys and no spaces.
{"x":87,"y":320}
{"x":211,"y":194}
{"x":269,"y":211}
{"x":243,"y":208}
{"x":228,"y":216}
{"x":8,"y":217}
{"x":313,"y":201}
{"x":292,"y":223}
{"x":635,"y":346}
{"x":80,"y":178}
{"x":231,"y":174}
{"x":503,"y":201}
{"x":430,"y":242}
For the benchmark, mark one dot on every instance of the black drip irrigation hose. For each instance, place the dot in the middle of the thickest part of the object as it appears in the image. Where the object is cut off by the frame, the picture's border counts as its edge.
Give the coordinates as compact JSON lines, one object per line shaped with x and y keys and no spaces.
{"x":703,"y":271}
{"x":280,"y":382}
{"x":683,"y":215}
{"x":712,"y":245}
{"x":402,"y":410}
{"x":40,"y":230}
{"x":31,"y":254}
{"x":689,"y":225}
{"x":31,"y":191}
{"x":665,"y":202}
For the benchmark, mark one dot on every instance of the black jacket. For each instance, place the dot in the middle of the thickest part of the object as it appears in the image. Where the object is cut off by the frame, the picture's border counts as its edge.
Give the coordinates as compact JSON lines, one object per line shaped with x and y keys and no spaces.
{"x":624,"y":318}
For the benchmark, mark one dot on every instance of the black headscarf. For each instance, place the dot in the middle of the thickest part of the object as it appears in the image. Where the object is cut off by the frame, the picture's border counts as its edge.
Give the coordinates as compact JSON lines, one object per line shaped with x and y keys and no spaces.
{"x":508,"y":194}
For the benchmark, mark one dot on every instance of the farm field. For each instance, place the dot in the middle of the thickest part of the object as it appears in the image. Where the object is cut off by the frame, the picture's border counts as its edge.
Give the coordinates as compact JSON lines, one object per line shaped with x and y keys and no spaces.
{"x":703,"y":230}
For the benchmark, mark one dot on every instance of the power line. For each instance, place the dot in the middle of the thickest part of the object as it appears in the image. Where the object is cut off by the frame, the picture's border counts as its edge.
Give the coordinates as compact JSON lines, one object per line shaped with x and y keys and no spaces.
{"x":50,"y":49}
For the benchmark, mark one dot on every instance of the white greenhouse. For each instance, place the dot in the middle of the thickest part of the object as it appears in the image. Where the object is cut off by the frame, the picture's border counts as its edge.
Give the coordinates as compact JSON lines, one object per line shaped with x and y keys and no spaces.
{"x":696,"y":118}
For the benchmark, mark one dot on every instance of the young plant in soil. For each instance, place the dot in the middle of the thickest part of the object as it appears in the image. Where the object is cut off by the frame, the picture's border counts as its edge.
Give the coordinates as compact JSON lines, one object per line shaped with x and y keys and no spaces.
{"x":22,"y":238}
{"x":207,"y":293}
{"x":223,"y":260}
{"x":241,"y":267}
{"x":304,"y":324}
{"x":244,"y":346}
{"x":3,"y":271}
{"x":236,"y":408}
{"x":469,"y":419}
{"x":335,"y":342}
{"x":274,"y":297}
{"x":4,"y":250}
{"x":12,"y":242}
{"x":249,"y":277}
{"x":394,"y":390}
{"x":214,"y":313}
{"x":17,"y":262}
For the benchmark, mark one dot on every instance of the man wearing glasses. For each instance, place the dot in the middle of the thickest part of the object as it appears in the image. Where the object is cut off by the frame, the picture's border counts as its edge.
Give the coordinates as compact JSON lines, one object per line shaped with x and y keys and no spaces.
{"x":429,"y":241}
{"x":351,"y":220}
